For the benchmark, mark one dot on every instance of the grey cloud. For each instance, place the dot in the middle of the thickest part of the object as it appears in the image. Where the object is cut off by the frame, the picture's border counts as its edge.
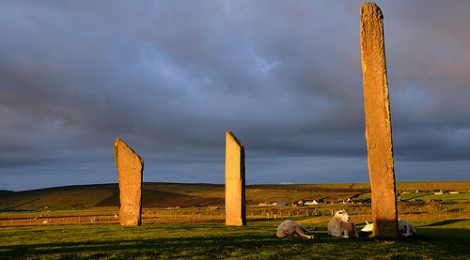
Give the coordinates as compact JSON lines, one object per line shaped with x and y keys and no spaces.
{"x":171,"y":77}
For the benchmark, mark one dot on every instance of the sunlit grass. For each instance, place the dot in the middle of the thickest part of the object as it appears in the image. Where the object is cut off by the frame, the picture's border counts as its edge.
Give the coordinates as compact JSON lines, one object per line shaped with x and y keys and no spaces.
{"x":436,"y":240}
{"x":200,"y":233}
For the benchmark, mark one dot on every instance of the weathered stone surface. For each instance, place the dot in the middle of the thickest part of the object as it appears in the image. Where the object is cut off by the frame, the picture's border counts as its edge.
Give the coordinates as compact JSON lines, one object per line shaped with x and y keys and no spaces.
{"x":130,"y":171}
{"x":235,"y":201}
{"x":378,"y":122}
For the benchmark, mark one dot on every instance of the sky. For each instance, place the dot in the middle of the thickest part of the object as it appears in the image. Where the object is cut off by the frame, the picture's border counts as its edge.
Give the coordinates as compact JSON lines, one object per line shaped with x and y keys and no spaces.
{"x":171,"y":77}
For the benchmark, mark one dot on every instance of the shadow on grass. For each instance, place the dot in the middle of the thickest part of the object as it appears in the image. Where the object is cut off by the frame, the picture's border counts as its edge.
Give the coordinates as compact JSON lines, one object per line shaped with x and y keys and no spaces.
{"x":207,"y":246}
{"x":245,"y":243}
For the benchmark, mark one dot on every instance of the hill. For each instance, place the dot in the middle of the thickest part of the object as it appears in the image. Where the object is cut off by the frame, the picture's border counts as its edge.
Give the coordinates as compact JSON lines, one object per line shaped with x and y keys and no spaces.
{"x":158,"y":195}
{"x":163,"y":195}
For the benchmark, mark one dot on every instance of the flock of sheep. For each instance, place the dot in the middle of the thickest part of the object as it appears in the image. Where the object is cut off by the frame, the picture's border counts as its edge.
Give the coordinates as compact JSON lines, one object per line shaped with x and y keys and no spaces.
{"x":339,"y":226}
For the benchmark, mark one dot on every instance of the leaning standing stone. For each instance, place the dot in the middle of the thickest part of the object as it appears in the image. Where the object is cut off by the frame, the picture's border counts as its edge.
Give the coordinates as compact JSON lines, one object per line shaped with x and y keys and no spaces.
{"x":378,"y":122}
{"x":130,"y":169}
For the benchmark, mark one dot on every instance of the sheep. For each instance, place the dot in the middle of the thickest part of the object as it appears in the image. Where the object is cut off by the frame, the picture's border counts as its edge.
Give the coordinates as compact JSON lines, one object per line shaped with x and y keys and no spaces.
{"x":292,"y":229}
{"x":405,"y":228}
{"x":341,"y":226}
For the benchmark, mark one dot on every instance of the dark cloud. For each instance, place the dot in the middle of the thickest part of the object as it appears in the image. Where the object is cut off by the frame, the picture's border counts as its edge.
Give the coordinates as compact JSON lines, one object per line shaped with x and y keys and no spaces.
{"x":171,"y":77}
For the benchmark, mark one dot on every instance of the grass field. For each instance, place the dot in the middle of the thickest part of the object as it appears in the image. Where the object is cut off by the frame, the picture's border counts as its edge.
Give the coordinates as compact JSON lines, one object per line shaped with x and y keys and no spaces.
{"x":437,"y":240}
{"x":197,"y":231}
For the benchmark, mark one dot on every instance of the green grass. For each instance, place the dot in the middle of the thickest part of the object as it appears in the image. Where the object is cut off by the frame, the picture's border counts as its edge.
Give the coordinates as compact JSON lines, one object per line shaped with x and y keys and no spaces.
{"x":437,"y":240}
{"x":427,"y":196}
{"x":462,"y":186}
{"x":443,"y":228}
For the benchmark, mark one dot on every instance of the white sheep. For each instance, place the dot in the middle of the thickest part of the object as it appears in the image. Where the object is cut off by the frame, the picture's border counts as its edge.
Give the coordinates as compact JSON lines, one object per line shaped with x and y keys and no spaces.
{"x":290,"y":228}
{"x":405,"y":228}
{"x":341,"y":226}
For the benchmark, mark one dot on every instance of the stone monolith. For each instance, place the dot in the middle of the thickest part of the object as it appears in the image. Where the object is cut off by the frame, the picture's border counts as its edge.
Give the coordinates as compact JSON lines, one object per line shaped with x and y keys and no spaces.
{"x":235,"y":201}
{"x":130,"y":168}
{"x":378,"y":122}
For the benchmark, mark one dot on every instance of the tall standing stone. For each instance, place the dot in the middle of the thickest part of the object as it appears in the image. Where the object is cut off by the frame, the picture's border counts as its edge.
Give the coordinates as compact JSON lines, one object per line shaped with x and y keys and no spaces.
{"x":130,"y":170}
{"x":378,"y":122}
{"x":235,"y":201}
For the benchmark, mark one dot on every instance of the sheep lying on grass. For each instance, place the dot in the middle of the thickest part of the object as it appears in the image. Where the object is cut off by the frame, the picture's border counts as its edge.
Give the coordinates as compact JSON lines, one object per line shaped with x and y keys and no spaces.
{"x":405,"y":228}
{"x":341,"y":226}
{"x":292,"y":229}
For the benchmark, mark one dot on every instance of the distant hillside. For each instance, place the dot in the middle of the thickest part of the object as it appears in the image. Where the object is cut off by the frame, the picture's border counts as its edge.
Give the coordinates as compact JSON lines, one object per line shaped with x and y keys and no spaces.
{"x":159,"y":195}
{"x":6,"y":193}
{"x":163,"y":195}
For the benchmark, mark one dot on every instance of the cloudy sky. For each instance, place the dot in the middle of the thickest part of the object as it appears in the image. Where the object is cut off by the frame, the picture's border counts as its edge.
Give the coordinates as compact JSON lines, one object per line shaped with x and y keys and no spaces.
{"x":171,"y":77}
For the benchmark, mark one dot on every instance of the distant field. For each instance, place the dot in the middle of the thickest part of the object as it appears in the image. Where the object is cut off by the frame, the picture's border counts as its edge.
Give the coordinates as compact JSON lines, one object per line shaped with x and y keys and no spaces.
{"x":164,"y":195}
{"x":427,"y":196}
{"x":196,"y":203}
{"x":462,"y":186}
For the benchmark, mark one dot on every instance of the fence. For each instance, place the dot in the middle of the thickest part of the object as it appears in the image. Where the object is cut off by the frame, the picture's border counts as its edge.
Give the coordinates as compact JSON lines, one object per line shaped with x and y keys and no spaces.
{"x":216,"y":215}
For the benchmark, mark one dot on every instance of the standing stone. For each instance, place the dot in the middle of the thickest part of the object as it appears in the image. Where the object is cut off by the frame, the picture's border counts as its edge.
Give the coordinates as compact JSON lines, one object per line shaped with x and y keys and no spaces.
{"x":130,"y":169}
{"x":235,"y":201}
{"x":378,"y":122}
